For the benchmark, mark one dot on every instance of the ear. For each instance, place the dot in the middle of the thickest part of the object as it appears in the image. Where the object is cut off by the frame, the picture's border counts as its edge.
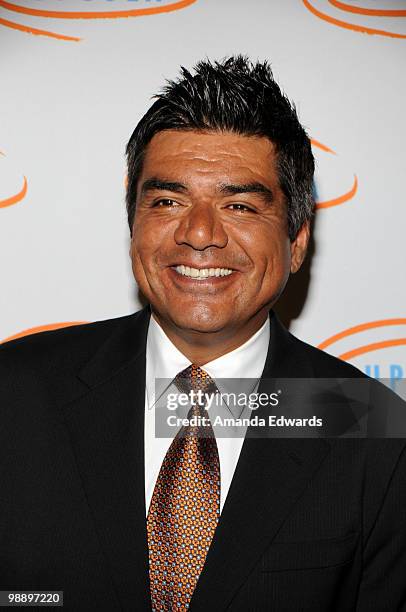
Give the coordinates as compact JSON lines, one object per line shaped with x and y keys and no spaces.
{"x":298,"y":247}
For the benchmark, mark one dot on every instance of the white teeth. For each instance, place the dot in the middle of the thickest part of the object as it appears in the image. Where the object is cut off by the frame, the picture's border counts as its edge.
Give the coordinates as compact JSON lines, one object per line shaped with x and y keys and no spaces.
{"x":202,"y":273}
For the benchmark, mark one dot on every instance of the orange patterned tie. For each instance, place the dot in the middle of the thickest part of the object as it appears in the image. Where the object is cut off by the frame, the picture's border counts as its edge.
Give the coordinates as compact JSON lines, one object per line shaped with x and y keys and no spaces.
{"x":185,"y":505}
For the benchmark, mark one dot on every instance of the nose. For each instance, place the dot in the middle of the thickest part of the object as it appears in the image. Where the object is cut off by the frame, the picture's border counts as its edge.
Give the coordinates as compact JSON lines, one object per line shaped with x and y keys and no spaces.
{"x":201,"y":228}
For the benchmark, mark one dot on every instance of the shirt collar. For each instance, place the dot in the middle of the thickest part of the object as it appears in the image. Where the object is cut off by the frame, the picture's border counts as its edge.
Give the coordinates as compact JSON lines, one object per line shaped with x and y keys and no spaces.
{"x":165,"y":361}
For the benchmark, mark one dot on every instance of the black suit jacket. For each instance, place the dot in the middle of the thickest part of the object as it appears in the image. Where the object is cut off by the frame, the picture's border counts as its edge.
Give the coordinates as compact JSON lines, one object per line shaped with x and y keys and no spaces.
{"x":308,"y":524}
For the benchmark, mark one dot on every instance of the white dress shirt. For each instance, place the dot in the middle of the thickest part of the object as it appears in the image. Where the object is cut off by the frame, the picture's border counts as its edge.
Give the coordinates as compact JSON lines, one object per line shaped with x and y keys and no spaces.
{"x":165,"y":361}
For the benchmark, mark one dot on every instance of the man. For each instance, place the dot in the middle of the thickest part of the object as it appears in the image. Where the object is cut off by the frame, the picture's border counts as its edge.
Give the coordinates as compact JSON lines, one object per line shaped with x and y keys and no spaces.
{"x":93,"y":503}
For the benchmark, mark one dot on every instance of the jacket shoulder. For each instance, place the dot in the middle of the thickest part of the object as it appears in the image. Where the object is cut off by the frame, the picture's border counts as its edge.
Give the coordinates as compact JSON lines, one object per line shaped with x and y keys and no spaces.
{"x":61,"y":347}
{"x":324,"y":364}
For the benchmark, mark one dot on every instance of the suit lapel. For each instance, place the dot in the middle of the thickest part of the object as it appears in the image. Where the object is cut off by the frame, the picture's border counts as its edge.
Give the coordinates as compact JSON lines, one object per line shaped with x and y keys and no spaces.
{"x":270,"y":476}
{"x":106,"y":427}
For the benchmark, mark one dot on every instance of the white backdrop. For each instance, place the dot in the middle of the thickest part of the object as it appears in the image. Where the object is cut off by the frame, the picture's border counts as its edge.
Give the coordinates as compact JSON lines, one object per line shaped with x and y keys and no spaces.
{"x":77,"y":75}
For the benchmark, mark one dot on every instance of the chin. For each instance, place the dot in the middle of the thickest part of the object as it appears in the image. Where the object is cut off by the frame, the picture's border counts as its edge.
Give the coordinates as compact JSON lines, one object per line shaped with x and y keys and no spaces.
{"x":199,"y":321}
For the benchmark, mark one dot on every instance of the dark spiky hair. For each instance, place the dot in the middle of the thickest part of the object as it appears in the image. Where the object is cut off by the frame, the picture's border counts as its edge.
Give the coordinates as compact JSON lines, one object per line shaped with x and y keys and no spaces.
{"x":239,"y":96}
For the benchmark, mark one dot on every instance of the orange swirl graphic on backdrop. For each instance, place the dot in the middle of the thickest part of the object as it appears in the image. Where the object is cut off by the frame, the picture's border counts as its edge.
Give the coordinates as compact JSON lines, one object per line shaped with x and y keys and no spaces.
{"x":350,"y":26}
{"x":322,"y":146}
{"x":136,"y":12}
{"x":340,"y":199}
{"x":41,"y":328}
{"x":367,"y":348}
{"x":36,"y":31}
{"x":150,"y":10}
{"x":17,"y":197}
{"x":343,"y":197}
{"x":360,"y":10}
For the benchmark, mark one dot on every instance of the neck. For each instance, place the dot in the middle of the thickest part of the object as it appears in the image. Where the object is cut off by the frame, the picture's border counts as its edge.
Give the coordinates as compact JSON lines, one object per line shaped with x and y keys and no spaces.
{"x":203,"y":347}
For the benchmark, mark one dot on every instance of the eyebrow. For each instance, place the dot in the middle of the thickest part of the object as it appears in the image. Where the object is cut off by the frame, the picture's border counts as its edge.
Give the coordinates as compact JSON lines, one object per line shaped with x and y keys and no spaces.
{"x":248,"y":188}
{"x":162,"y":185}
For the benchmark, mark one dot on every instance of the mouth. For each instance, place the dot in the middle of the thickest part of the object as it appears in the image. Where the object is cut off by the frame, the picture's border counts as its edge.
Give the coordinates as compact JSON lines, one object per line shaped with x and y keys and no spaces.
{"x":201,"y":274}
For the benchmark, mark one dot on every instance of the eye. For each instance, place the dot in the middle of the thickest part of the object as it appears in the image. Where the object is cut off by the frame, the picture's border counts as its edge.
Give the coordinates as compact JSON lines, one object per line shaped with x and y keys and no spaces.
{"x":165,"y":202}
{"x":241,"y":207}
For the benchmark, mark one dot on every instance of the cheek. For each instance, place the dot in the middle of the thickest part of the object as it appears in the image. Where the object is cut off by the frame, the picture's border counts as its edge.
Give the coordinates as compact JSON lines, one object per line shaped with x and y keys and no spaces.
{"x":137,"y":267}
{"x":151,"y":241}
{"x":269,"y":250}
{"x":152,"y":233}
{"x":142,"y":243}
{"x":139,"y":253}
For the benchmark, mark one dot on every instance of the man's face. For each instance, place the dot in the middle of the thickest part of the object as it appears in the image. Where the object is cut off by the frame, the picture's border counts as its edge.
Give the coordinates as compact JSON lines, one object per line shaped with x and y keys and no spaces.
{"x":210,"y":247}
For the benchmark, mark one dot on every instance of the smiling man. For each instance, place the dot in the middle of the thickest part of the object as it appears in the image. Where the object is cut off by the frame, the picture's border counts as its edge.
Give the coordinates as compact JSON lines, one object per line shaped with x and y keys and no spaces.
{"x":224,"y":253}
{"x":98,"y":505}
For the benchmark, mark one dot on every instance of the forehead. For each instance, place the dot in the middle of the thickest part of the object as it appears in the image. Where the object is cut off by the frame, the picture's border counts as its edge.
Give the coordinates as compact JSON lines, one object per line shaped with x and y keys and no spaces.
{"x":210,"y":155}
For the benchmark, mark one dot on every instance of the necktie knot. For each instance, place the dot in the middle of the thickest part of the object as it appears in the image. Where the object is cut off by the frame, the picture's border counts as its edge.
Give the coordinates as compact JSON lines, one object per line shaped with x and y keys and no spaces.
{"x":195,"y":379}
